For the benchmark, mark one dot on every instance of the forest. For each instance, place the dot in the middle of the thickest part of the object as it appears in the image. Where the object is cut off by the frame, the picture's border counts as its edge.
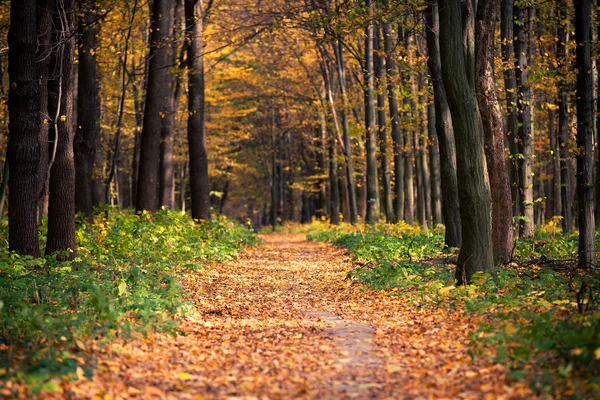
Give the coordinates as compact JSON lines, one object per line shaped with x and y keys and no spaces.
{"x":299,"y":198}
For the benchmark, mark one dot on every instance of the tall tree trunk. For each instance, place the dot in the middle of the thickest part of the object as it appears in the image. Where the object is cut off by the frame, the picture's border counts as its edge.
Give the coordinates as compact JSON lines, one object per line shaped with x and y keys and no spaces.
{"x":274,"y":181}
{"x":510,"y":85}
{"x":585,"y":134}
{"x":333,"y":181}
{"x":371,"y":141}
{"x":493,"y":129}
{"x":167,"y":131}
{"x":24,"y":110}
{"x":392,"y":78}
{"x":199,"y":182}
{"x":339,"y":53}
{"x":474,"y":193}
{"x":157,"y":103}
{"x":61,"y":200}
{"x":434,"y":162}
{"x":524,"y":103}
{"x":445,"y":133}
{"x":381,"y":128}
{"x":421,"y":212}
{"x":424,"y":156}
{"x":563,"y":116}
{"x":44,"y":54}
{"x":88,"y":109}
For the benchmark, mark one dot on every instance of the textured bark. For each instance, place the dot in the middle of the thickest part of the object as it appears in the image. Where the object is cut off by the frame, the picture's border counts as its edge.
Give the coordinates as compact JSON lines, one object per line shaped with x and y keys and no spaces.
{"x":157,"y":103}
{"x":61,"y":200}
{"x":476,"y":251}
{"x":386,"y":185}
{"x":398,"y":144}
{"x":371,"y":141}
{"x":434,"y":162}
{"x":421,"y":213}
{"x":88,"y":109}
{"x":349,"y":164}
{"x":43,"y":56}
{"x":510,"y":85}
{"x":493,"y":129}
{"x":585,"y":134}
{"x":445,"y":134}
{"x":524,"y":102}
{"x":199,"y":182}
{"x":167,"y":131}
{"x":333,"y":181}
{"x":563,"y":117}
{"x":24,"y":127}
{"x":424,"y":156}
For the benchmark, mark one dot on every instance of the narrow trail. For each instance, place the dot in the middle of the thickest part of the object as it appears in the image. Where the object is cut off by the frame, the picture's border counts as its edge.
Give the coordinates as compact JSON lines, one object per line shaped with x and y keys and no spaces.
{"x":281,"y":322}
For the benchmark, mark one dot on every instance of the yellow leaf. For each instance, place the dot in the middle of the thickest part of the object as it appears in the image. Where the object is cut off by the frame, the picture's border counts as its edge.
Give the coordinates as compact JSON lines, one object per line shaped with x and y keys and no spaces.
{"x":577,"y":351}
{"x":447,"y":289}
{"x":394,"y":368}
{"x":184,"y":376}
{"x":597,"y":353}
{"x":510,"y":329}
{"x":470,"y":374}
{"x":80,"y":374}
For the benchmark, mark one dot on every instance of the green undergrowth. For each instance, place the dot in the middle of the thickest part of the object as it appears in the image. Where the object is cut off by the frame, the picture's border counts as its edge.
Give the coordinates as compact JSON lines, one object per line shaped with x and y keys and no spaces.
{"x":124,"y":279}
{"x":539,"y":315}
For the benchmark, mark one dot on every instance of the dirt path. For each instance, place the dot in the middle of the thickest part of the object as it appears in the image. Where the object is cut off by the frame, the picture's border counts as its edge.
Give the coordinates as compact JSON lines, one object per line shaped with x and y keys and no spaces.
{"x":281,"y":322}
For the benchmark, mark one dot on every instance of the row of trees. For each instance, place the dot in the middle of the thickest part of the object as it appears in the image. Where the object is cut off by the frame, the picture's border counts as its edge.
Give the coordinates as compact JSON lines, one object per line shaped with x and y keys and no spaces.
{"x":357,"y":110}
{"x":51,"y":163}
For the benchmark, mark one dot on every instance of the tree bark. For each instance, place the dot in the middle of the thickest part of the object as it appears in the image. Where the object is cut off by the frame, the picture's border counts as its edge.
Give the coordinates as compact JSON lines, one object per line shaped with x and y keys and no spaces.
{"x":493,"y":129}
{"x":434,"y":162}
{"x":158,"y":93}
{"x":88,"y":109}
{"x":524,"y":102}
{"x":199,"y":182}
{"x":341,"y":66}
{"x":61,"y":200}
{"x":510,"y":85}
{"x":563,"y":116}
{"x":445,"y":133}
{"x":397,"y":142}
{"x":371,"y":141}
{"x":24,"y":110}
{"x":476,"y":251}
{"x":386,"y":184}
{"x":167,"y":131}
{"x":585,"y":134}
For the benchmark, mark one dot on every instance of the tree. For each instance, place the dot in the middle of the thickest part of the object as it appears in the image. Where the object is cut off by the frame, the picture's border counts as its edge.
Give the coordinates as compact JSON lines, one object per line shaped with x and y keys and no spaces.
{"x":563,"y":115}
{"x":24,"y":126}
{"x":585,"y":134}
{"x":157,"y":103}
{"x":524,"y":102}
{"x":476,"y":251}
{"x":196,"y":135}
{"x":493,"y":129}
{"x":88,"y":108}
{"x":379,"y":66}
{"x":392,"y":77}
{"x":61,"y":200}
{"x":371,"y":141}
{"x":445,"y":133}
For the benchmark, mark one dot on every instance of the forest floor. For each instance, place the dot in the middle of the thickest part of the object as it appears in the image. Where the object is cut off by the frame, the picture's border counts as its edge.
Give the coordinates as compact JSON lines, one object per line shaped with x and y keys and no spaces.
{"x":282,"y":322}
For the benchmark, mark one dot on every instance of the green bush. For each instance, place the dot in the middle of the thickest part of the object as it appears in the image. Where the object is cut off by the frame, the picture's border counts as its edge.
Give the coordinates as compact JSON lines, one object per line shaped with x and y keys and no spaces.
{"x":125,"y":278}
{"x":539,"y":315}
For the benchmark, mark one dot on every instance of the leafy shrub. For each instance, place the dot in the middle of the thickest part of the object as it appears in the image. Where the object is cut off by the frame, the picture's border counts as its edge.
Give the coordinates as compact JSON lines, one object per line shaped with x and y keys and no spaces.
{"x":125,"y":278}
{"x":538,"y":316}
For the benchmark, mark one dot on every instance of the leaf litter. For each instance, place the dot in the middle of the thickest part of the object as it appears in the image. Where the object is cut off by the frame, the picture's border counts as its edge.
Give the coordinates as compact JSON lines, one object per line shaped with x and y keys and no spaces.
{"x":282,"y":322}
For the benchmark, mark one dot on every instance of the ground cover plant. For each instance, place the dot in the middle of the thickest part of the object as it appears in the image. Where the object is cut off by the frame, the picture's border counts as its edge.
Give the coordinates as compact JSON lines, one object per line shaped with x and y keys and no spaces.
{"x":125,"y":279}
{"x":538,"y":315}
